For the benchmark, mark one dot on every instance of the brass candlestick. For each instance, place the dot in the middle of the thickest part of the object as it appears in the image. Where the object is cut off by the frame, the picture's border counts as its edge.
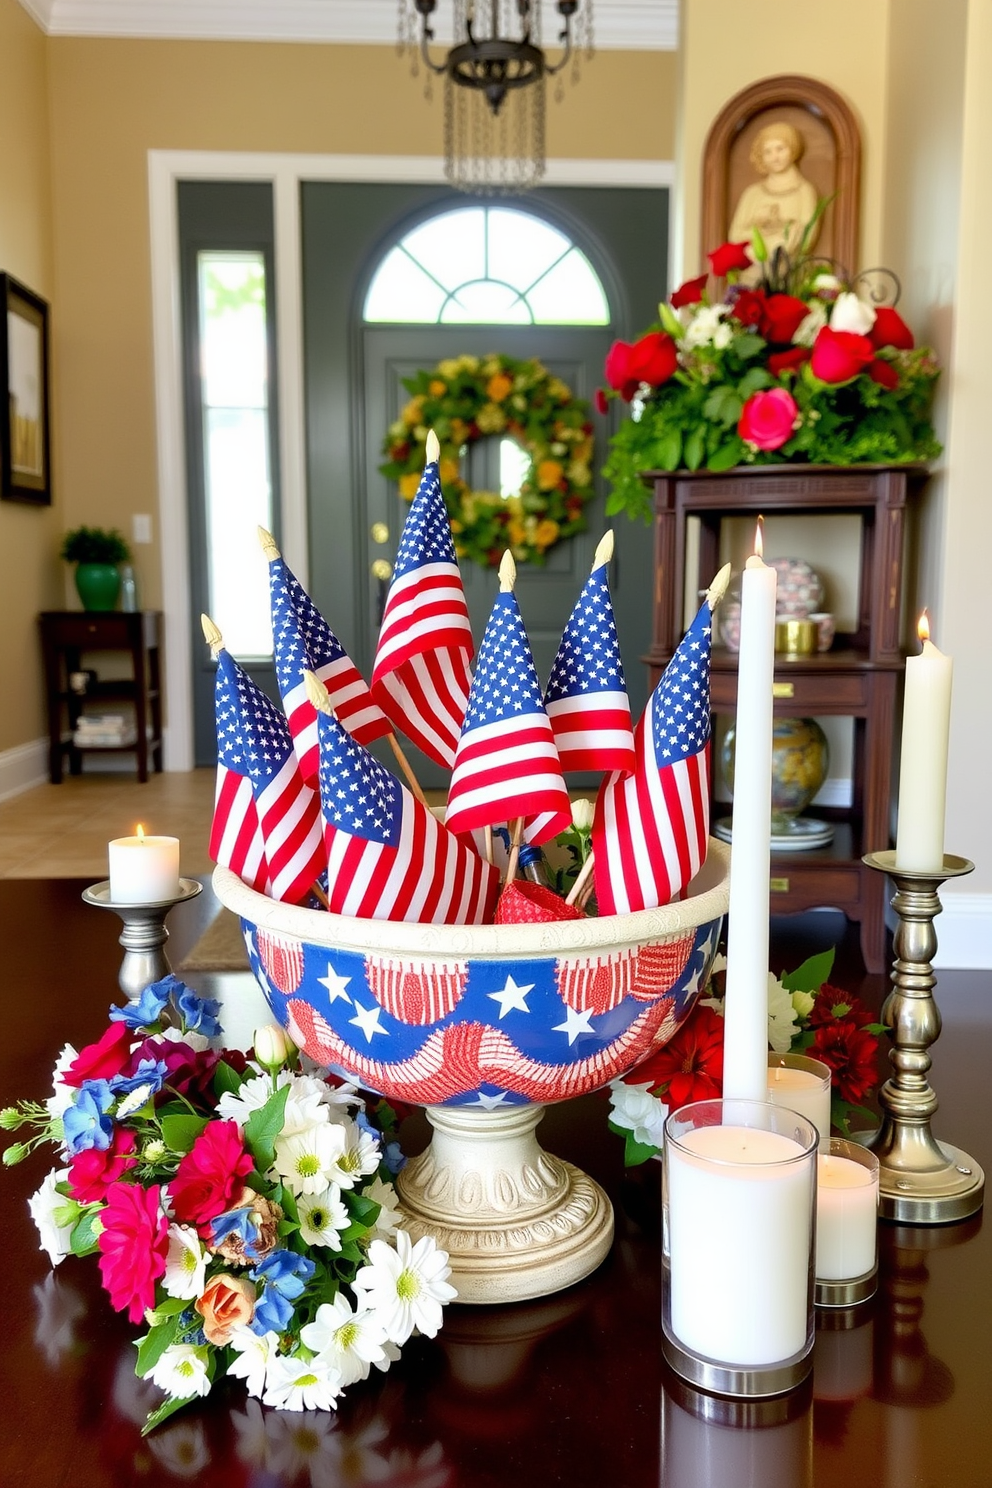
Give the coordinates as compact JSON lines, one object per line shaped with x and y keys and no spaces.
{"x":922,"y":1181}
{"x":144,"y":934}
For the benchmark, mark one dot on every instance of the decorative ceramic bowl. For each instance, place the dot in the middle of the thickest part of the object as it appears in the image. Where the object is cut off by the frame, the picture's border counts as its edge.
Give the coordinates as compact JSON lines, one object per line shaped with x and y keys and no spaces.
{"x":799,"y":589}
{"x":479,"y":1015}
{"x":800,"y":762}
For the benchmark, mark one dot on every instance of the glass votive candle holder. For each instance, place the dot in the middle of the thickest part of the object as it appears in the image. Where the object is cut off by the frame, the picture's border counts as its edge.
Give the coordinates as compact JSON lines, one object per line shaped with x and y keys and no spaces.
{"x":802,"y":1084}
{"x":739,"y":1189}
{"x":846,"y":1224}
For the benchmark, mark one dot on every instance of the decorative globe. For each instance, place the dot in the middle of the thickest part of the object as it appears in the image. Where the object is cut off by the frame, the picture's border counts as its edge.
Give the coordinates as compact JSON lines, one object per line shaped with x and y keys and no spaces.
{"x":800,"y":761}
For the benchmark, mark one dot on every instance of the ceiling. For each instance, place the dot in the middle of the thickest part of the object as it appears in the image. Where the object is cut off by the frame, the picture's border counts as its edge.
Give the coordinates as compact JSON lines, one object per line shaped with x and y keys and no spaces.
{"x":635,"y":24}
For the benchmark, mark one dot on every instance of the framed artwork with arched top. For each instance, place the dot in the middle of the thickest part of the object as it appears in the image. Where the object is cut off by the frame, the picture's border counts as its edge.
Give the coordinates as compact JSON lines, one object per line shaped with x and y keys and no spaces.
{"x":774,"y":150}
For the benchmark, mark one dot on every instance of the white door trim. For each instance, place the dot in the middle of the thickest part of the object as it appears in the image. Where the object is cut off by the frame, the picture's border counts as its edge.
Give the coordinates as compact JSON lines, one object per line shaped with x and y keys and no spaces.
{"x":285,"y":172}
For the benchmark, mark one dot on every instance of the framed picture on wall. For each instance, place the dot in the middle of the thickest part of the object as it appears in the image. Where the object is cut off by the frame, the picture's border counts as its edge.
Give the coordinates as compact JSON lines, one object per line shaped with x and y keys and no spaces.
{"x":25,"y":468}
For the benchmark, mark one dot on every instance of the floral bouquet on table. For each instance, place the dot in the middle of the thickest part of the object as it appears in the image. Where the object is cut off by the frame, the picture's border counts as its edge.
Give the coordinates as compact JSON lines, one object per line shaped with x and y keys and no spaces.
{"x":241,"y":1209}
{"x":806,"y":1015}
{"x":806,"y":365}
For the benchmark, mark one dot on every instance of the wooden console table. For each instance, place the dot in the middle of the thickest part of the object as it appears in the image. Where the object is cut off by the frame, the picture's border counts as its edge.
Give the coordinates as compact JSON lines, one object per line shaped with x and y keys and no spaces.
{"x":65,"y":636}
{"x":858,"y":678}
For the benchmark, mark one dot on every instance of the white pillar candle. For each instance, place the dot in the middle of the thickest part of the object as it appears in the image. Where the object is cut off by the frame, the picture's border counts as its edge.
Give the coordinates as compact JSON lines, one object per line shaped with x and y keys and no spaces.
{"x":740,"y":1212}
{"x":926,"y":722}
{"x":846,"y":1215}
{"x":143,"y":870}
{"x":802,"y":1085}
{"x":745,"y":1045}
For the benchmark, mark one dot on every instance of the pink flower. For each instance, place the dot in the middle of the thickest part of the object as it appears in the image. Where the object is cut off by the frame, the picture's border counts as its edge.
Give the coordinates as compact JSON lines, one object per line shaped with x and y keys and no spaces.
{"x":133,"y":1245}
{"x":102,"y":1060}
{"x":93,"y":1173}
{"x":767,"y":419}
{"x":208,"y":1179}
{"x":838,"y":356}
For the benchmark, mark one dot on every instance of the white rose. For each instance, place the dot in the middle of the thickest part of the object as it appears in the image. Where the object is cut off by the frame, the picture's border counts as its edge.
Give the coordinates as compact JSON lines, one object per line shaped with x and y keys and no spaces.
{"x":582,"y":814}
{"x":827,"y":285}
{"x":638,"y":1111}
{"x":810,"y":327}
{"x":851,"y":314}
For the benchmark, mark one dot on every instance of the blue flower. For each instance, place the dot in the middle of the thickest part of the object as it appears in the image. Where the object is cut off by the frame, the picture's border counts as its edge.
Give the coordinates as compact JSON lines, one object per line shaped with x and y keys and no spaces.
{"x":85,"y":1123}
{"x":147,"y":1009}
{"x":273,"y":1314}
{"x":364,"y":1124}
{"x":237,"y":1222}
{"x":150,"y":1072}
{"x":394,"y":1158}
{"x":284,"y":1275}
{"x":199,"y":1014}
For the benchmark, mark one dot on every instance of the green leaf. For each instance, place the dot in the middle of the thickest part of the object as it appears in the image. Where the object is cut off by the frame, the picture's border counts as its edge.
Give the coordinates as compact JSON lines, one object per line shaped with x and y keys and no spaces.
{"x":264,"y":1125}
{"x":695,"y":447}
{"x":154,"y":1344}
{"x":811,"y":975}
{"x":167,"y":1308}
{"x":841,"y":1112}
{"x":635,"y":1152}
{"x":227,"y":1081}
{"x":758,"y":246}
{"x":180,"y":1132}
{"x":362,"y":1210}
{"x":83,"y":1239}
{"x":726,"y":456}
{"x":748,"y":345}
{"x":670,"y":321}
{"x":670,"y":449}
{"x":754,"y":379}
{"x":167,"y":1409}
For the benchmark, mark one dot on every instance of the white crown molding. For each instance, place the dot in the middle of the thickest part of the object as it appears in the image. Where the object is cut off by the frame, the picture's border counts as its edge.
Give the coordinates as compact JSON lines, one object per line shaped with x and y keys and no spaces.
{"x":629,"y":25}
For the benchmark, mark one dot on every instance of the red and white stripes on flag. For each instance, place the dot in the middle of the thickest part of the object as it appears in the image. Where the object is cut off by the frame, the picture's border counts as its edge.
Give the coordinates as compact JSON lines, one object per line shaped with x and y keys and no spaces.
{"x":236,"y":840}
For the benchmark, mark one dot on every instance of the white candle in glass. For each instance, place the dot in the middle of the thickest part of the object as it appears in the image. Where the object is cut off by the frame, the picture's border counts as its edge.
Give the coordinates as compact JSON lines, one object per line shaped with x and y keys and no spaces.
{"x":739,"y":1219}
{"x":926,"y":723}
{"x":846,"y":1215}
{"x":803,"y":1085}
{"x":745,"y":1045}
{"x":143,"y":869}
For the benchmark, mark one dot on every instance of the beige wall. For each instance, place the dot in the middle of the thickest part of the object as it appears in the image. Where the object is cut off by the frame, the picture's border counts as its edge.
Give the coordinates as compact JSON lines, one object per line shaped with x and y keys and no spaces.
{"x":28,"y":535}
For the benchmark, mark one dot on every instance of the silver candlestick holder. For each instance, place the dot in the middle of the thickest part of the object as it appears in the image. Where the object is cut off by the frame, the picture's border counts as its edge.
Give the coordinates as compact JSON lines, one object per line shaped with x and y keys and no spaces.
{"x":144,"y":934}
{"x":922,"y":1181}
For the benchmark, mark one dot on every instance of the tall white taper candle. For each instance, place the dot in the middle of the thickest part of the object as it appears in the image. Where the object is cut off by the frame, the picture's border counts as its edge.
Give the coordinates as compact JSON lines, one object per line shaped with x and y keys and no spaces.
{"x":926,"y":724}
{"x":745,"y":1047}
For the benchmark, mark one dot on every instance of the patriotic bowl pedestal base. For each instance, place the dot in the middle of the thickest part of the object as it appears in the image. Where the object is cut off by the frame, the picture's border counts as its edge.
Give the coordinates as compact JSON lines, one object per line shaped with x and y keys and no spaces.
{"x":484,"y":1025}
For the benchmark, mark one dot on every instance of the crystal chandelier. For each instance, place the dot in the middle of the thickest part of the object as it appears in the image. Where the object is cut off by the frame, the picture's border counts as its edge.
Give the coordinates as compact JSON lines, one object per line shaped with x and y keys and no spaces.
{"x":494,"y":85}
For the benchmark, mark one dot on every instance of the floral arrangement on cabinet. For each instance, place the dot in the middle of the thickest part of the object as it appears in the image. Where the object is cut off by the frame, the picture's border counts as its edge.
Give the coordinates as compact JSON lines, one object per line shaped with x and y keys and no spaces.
{"x":807,"y":365}
{"x":242,"y":1211}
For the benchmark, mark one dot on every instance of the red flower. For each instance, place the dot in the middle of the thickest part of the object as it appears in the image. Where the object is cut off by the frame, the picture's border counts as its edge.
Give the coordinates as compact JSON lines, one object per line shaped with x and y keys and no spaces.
{"x":840,"y":355}
{"x":602,"y":406}
{"x":689,"y":293}
{"x":767,"y":418}
{"x":616,"y":369}
{"x":653,"y":358}
{"x":190,"y":1071}
{"x":890,"y":330}
{"x":787,"y":361}
{"x":729,"y":256}
{"x":690,"y":1066}
{"x":749,"y":307}
{"x":208,"y":1178}
{"x":834,"y":1005}
{"x":850,"y":1052}
{"x":133,"y":1244}
{"x":884,"y":374}
{"x":783,"y":316}
{"x":102,"y":1060}
{"x":93,"y":1173}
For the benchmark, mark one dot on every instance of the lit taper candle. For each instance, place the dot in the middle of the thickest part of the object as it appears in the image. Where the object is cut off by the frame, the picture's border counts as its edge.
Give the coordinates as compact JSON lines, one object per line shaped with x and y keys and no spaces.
{"x":926,"y":724}
{"x":745,"y":1047}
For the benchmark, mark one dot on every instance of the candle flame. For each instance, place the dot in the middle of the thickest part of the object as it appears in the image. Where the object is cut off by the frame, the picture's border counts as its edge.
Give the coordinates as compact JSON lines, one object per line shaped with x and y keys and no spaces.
{"x":139,"y":832}
{"x":923,"y":627}
{"x":759,"y":546}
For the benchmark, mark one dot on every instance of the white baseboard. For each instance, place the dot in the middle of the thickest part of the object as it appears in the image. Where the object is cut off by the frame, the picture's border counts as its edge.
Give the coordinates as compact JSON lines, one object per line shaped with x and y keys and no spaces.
{"x":22,"y":767}
{"x":964,"y":932}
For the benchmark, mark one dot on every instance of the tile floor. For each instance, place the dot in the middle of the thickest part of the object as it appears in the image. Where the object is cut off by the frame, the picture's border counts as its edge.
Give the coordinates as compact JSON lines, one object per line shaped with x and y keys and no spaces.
{"x":62,"y":831}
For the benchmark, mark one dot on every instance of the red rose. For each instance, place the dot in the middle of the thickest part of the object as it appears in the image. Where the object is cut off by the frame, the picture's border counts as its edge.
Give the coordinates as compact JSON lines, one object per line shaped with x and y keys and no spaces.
{"x":850,"y":1052}
{"x":884,"y":374}
{"x":689,"y":293}
{"x":690,"y":1066}
{"x":891,"y":330}
{"x":93,"y":1173}
{"x":208,"y":1178}
{"x":767,"y":418}
{"x":783,"y":316}
{"x":834,"y":1005}
{"x":729,"y":256}
{"x":653,"y":359}
{"x":602,"y":406}
{"x":787,"y":361}
{"x":616,"y":369}
{"x":840,"y":355}
{"x":102,"y":1060}
{"x":133,"y":1243}
{"x":749,"y":307}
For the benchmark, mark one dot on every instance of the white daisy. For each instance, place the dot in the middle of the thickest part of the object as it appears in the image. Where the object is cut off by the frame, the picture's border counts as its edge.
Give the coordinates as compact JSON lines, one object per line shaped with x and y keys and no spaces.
{"x":359,"y":1156}
{"x":323,"y":1217}
{"x":254,"y":1353}
{"x":350,"y":1340}
{"x":62,"y":1094}
{"x":182,"y":1371}
{"x":310,"y":1161}
{"x":301,"y":1384}
{"x":636,"y":1110}
{"x":406,"y":1287}
{"x":132,"y":1101}
{"x":185,"y":1264}
{"x":181,"y":1449}
{"x":782,"y":1016}
{"x":44,"y":1206}
{"x":390,"y":1217}
{"x":304,"y":1104}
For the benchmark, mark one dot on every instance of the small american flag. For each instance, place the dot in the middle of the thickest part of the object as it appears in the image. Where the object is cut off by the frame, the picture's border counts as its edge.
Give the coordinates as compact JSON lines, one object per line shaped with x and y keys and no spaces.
{"x":421,"y":675}
{"x":388,"y":857}
{"x":649,"y":831}
{"x":266,"y":825}
{"x":304,"y":641}
{"x":586,"y":696}
{"x":507,"y":763}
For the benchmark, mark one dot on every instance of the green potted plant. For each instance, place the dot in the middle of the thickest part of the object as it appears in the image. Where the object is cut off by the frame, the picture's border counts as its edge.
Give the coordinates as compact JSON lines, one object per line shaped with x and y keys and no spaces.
{"x":96,"y":552}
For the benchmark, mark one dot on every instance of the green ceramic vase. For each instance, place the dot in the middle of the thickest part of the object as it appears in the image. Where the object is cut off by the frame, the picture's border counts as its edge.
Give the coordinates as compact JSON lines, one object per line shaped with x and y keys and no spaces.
{"x":98,"y":585}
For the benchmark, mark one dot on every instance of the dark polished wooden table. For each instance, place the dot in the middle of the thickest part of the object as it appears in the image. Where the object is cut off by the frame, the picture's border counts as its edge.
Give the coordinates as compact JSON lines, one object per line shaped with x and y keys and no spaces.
{"x":570,"y":1390}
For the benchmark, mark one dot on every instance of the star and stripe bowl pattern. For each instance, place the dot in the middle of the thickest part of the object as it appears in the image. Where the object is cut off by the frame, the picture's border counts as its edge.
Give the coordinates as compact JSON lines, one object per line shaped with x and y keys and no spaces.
{"x":488,"y":1015}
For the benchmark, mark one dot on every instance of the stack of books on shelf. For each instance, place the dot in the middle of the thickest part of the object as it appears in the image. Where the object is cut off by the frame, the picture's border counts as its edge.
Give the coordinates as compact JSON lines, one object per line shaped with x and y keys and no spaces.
{"x":104,"y":731}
